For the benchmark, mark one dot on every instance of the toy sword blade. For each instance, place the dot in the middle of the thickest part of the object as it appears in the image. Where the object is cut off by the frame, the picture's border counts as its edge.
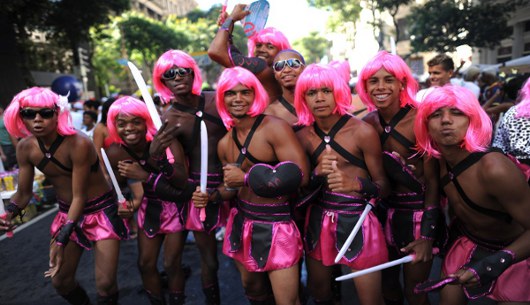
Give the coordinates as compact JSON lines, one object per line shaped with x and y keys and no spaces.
{"x":151,"y":107}
{"x":204,"y":164}
{"x":121,"y":199}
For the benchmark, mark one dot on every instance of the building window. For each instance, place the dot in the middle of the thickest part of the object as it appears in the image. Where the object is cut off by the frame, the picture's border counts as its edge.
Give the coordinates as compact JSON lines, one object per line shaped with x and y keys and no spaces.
{"x":526,"y":50}
{"x":403,"y":29}
{"x":416,"y":66}
{"x":527,"y":26}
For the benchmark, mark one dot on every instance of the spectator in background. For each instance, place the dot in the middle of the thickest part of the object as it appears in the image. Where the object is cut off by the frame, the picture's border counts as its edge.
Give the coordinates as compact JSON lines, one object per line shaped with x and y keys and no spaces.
{"x":441,"y":68}
{"x":8,"y":143}
{"x":513,"y":132}
{"x":89,"y":123}
{"x":468,"y":80}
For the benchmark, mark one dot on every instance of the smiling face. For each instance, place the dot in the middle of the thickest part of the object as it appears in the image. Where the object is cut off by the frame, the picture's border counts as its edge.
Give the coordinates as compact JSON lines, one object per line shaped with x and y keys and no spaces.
{"x":181,"y":82}
{"x":238,"y":100}
{"x":384,"y":89}
{"x":266,"y":51}
{"x":448,"y":126}
{"x":131,"y":129}
{"x":288,"y":76}
{"x":438,"y":76}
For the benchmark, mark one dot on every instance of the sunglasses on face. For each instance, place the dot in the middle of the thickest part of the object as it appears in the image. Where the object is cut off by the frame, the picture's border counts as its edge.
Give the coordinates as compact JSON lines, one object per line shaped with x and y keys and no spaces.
{"x":172,"y":73}
{"x":30,"y":114}
{"x":293,"y":63}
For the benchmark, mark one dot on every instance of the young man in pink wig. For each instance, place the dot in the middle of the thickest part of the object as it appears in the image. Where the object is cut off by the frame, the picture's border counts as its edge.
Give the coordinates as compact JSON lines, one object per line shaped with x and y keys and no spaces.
{"x":345,"y":155}
{"x":87,"y":204}
{"x":287,"y":66}
{"x":488,"y":194}
{"x":262,"y":48}
{"x":410,"y":214}
{"x":138,"y":157}
{"x":261,"y":235}
{"x":177,"y":79}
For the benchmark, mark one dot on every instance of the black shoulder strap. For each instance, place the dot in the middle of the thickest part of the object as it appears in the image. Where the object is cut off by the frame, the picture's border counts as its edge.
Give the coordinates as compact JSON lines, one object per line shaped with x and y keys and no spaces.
{"x":199,"y":114}
{"x":48,"y":154}
{"x":243,"y":149}
{"x":389,"y":128}
{"x":453,"y":173}
{"x":143,"y":159}
{"x":329,"y":139}
{"x":287,"y":105}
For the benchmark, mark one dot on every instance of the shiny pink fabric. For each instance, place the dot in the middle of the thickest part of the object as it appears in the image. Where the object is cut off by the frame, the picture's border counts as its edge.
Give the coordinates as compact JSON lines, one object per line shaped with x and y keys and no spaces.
{"x":193,"y":221}
{"x":286,"y":246}
{"x":512,"y":286}
{"x":374,"y":251}
{"x":417,"y":215}
{"x":170,"y":218}
{"x":96,"y":226}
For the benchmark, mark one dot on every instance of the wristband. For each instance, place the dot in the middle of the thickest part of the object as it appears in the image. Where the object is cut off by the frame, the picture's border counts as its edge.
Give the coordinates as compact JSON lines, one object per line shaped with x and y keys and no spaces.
{"x":165,"y":167}
{"x":488,"y":269}
{"x":64,"y":233}
{"x":214,"y":196}
{"x":429,"y":223}
{"x":368,"y":188}
{"x":226,"y":24}
{"x":14,"y":209}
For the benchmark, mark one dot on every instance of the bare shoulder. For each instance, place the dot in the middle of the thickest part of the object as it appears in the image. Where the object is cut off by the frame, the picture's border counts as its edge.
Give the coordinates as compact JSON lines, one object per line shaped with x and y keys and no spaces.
{"x":272,"y":109}
{"x":273,"y":122}
{"x":362,"y":128}
{"x":371,"y":118}
{"x":497,"y":170}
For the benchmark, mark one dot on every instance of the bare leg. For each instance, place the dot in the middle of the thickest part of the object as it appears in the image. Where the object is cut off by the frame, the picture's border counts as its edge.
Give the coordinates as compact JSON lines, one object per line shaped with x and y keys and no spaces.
{"x":414,"y":274}
{"x":285,"y":284}
{"x":319,"y":280}
{"x":106,"y":254}
{"x":148,"y":251}
{"x":207,"y":245}
{"x":369,"y":289}
{"x":173,"y":248}
{"x":392,"y":290}
{"x":64,"y":281}
{"x":256,"y":284}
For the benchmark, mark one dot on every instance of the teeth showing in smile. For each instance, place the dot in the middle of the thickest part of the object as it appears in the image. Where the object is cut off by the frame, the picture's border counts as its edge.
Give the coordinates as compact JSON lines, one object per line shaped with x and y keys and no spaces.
{"x":382,"y":96}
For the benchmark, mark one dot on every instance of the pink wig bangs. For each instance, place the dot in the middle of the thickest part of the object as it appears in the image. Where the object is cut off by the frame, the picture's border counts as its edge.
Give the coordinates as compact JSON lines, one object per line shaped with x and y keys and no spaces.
{"x":129,"y":106}
{"x":39,"y":98}
{"x":343,"y":67}
{"x":478,"y":135}
{"x":232,"y":77}
{"x":394,"y":65}
{"x":268,"y":35}
{"x":523,"y":108}
{"x":316,"y":76}
{"x":169,"y":60}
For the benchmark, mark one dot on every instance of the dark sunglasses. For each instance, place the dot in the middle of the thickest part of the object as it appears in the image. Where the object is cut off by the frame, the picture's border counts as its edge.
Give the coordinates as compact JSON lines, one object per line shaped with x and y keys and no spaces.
{"x":172,"y":73}
{"x":30,"y":114}
{"x":291,"y":62}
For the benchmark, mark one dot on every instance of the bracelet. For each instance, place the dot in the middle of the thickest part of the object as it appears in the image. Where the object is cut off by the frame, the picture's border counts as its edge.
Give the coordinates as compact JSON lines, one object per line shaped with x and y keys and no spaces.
{"x":368,"y":188}
{"x":226,"y":24}
{"x":429,"y":223}
{"x":14,"y":209}
{"x":63,"y":237}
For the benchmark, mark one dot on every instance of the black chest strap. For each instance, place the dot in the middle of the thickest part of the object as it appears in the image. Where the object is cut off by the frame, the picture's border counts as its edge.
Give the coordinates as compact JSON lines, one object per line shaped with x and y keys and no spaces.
{"x":329,"y":139}
{"x":390,"y":130}
{"x":48,"y":154}
{"x":287,"y":105}
{"x":143,"y":160}
{"x":200,"y":115}
{"x":453,"y":173}
{"x":243,"y":149}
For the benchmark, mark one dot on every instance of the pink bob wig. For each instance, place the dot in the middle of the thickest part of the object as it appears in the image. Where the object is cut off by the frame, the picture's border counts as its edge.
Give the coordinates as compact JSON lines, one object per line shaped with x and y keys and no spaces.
{"x":268,"y":35}
{"x":129,"y":106}
{"x":478,"y":135}
{"x":168,"y":60}
{"x":394,"y":65}
{"x":37,"y":97}
{"x":232,"y":77}
{"x":316,"y":76}
{"x":523,"y":108}
{"x":344,"y":69}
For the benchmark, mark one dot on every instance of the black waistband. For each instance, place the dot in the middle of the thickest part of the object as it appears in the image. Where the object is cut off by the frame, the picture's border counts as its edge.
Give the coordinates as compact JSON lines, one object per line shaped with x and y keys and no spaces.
{"x":406,"y":201}
{"x":92,"y":205}
{"x":338,"y":202}
{"x":265,"y":212}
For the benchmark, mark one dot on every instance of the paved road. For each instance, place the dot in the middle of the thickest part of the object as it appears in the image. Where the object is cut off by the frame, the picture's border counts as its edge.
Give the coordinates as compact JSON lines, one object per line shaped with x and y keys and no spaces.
{"x":24,"y":258}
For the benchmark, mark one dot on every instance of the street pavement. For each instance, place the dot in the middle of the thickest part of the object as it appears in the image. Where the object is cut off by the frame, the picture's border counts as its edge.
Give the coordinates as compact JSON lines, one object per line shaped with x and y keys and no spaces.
{"x":24,"y":258}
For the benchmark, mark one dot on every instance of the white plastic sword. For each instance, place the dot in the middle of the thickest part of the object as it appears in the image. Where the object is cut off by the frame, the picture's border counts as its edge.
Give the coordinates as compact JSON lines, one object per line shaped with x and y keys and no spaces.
{"x":151,"y":107}
{"x":121,"y":199}
{"x":204,"y":165}
{"x":356,"y":228}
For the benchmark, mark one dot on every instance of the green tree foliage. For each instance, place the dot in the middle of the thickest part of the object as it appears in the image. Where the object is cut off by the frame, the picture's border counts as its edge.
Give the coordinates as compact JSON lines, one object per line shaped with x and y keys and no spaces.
{"x":313,"y":47}
{"x":442,"y":25}
{"x":392,"y":7}
{"x":347,"y":10}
